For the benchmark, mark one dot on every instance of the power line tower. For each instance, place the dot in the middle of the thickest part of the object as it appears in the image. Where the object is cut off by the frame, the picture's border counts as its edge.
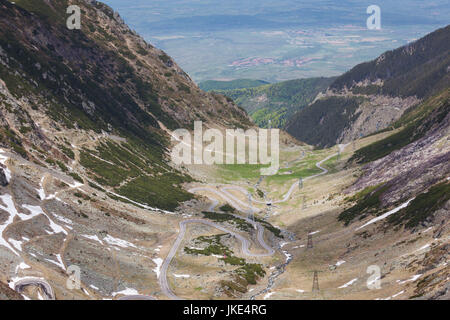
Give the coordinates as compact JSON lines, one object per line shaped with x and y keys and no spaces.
{"x":310,"y":241}
{"x":304,"y":202}
{"x":251,"y":216}
{"x":315,"y":287}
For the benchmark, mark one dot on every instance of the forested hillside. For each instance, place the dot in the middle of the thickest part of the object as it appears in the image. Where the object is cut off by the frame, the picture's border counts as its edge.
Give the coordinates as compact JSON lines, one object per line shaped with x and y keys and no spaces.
{"x":277,"y":102}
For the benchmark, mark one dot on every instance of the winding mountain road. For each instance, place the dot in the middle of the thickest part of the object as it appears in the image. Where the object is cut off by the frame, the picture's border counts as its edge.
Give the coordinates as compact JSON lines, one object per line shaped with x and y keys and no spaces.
{"x":287,"y":195}
{"x":245,"y":245}
{"x":46,"y":288}
{"x":239,"y":205}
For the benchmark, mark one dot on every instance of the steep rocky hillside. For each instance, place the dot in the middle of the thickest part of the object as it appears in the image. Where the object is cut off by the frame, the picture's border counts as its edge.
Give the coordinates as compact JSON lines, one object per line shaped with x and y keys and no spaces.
{"x":406,"y":164}
{"x":405,"y":187}
{"x":373,"y":95}
{"x":85,"y":174}
{"x":96,"y":103}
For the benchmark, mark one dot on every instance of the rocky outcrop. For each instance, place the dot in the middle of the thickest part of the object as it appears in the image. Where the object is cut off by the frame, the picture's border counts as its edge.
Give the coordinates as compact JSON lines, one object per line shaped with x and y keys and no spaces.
{"x":412,"y":169}
{"x":3,"y":180}
{"x":386,"y":88}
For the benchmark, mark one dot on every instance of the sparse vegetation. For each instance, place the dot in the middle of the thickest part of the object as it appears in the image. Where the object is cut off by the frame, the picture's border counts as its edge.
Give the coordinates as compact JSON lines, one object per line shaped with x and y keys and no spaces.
{"x":225,"y":217}
{"x":367,"y":202}
{"x":227,"y":208}
{"x":423,"y":206}
{"x":250,"y":272}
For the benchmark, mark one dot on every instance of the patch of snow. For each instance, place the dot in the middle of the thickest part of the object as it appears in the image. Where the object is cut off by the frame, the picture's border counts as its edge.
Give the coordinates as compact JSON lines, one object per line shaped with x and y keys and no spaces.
{"x":63,"y":219}
{"x":35,"y":211}
{"x":424,"y":247}
{"x":268,"y":295}
{"x":126,"y":292}
{"x":387,"y":214}
{"x":348,"y":283}
{"x":181,"y":275}
{"x":94,"y":237}
{"x":395,"y":295}
{"x":75,"y":185}
{"x":118,"y":242}
{"x":288,"y":256}
{"x":93,"y":287}
{"x":157,"y":269}
{"x":141,"y":204}
{"x":412,"y":279}
{"x":41,"y":190}
{"x":300,"y":290}
{"x":22,"y":266}
{"x":58,"y":256}
{"x":314,"y":232}
{"x":373,"y":281}
{"x":57,"y":263}
{"x":340,"y":262}
{"x":11,"y":209}
{"x":17,"y":244}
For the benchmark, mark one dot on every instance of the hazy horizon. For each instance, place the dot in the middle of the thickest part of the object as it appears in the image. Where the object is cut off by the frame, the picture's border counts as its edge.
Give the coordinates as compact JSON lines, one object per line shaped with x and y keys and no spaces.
{"x":276,"y":41}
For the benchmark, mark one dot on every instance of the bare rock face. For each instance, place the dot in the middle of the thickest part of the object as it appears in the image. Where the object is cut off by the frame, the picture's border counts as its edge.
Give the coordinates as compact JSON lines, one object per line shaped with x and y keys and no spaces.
{"x":3,"y":181}
{"x":8,"y":294}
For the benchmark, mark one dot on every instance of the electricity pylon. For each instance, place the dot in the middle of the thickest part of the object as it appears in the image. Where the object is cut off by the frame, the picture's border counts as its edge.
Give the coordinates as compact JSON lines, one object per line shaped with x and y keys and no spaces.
{"x":315,"y":287}
{"x":310,"y":242}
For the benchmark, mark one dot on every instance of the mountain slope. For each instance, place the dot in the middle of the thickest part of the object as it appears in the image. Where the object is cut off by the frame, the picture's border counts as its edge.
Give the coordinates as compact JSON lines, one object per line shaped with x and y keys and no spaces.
{"x":100,"y":96}
{"x":417,"y":69}
{"x":277,"y":102}
{"x":386,"y":87}
{"x":413,"y":163}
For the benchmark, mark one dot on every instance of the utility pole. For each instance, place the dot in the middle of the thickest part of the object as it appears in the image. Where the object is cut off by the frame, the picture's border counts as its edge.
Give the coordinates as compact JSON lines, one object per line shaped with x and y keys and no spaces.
{"x":250,"y":215}
{"x":304,"y":202}
{"x":310,"y":242}
{"x":300,"y":183}
{"x":315,"y":287}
